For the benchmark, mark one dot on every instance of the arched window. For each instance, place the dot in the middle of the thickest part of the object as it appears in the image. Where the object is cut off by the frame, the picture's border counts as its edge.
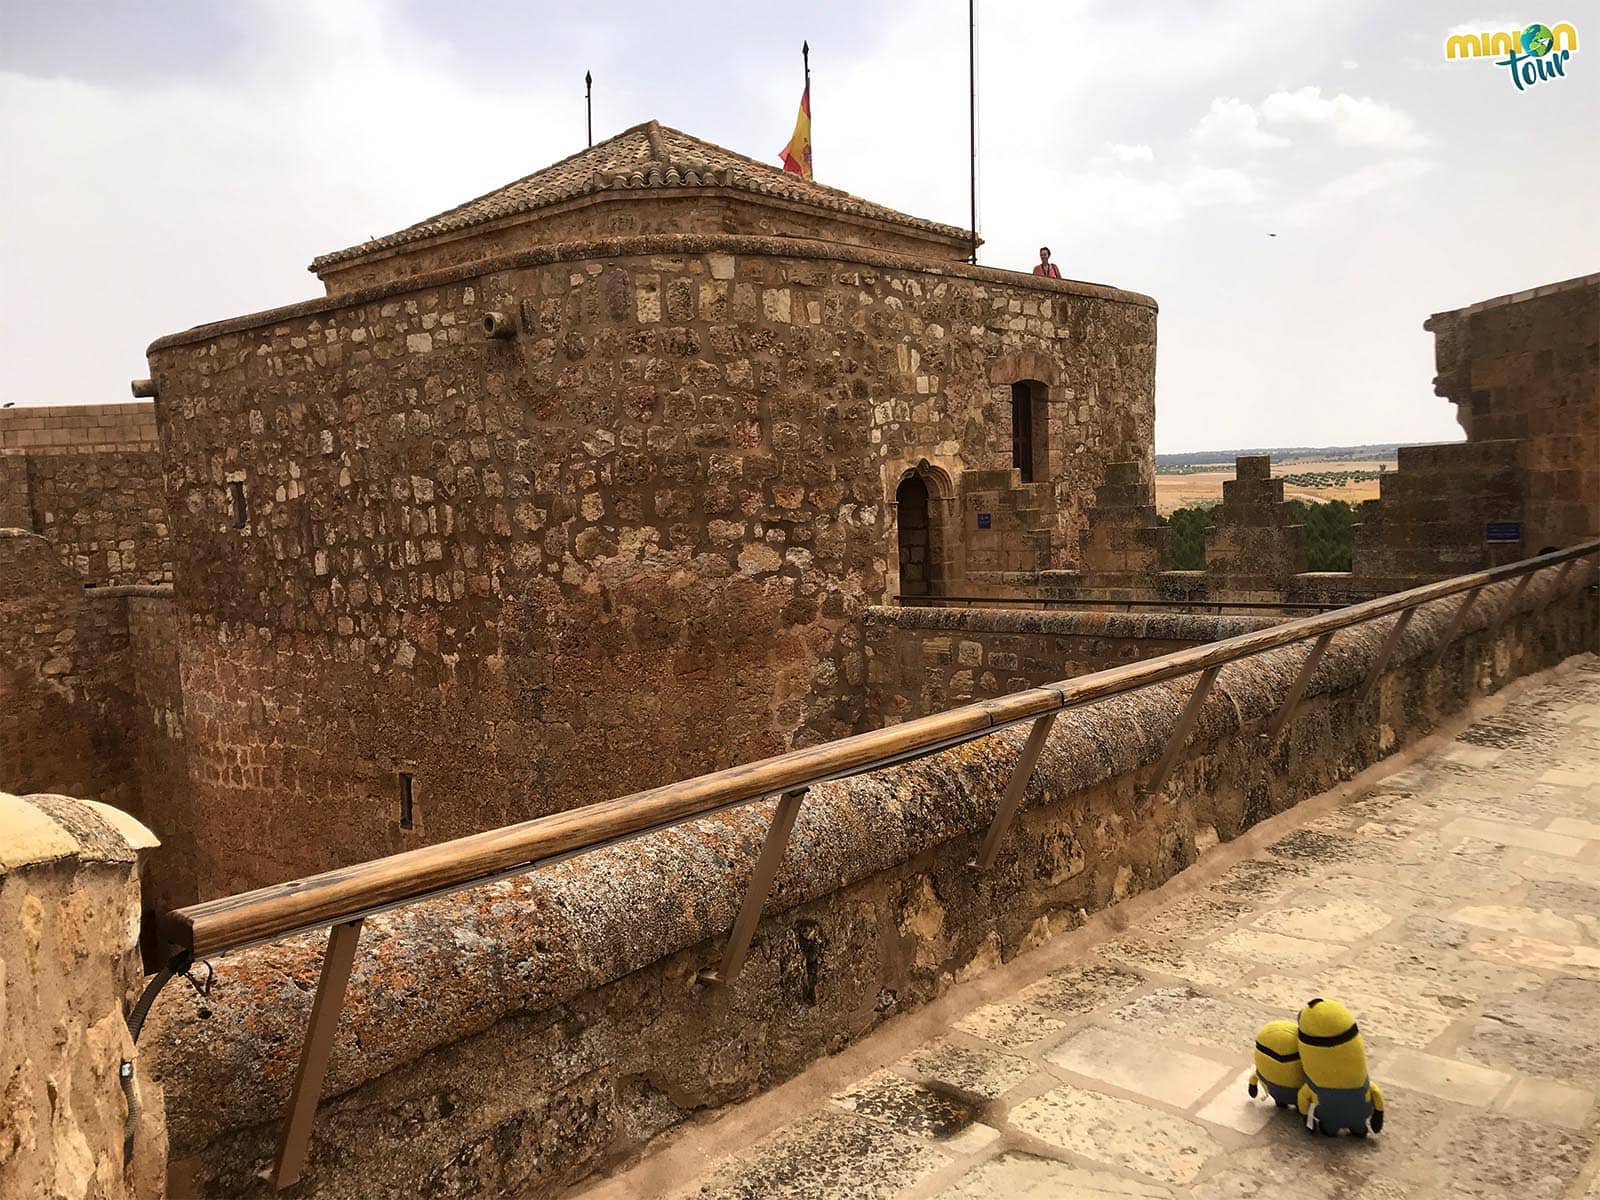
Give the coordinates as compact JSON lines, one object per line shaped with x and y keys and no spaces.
{"x":1030,"y":430}
{"x":916,"y":549}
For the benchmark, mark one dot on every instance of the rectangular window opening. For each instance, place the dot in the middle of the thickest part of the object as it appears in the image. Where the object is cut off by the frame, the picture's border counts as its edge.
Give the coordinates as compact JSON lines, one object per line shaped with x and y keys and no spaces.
{"x":241,"y":511}
{"x":407,"y":816}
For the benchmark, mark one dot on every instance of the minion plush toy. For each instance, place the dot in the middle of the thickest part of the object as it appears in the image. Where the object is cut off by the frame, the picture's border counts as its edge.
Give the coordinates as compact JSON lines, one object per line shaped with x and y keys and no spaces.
{"x":1278,"y":1063}
{"x":1337,"y":1093}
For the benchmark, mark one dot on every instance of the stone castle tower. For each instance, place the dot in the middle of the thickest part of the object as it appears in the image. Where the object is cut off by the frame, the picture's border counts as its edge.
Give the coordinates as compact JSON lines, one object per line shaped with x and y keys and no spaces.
{"x":582,"y":486}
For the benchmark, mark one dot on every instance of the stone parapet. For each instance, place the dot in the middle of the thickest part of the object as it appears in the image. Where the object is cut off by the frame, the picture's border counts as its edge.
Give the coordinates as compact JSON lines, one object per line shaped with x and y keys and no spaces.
{"x":1252,"y":547}
{"x":650,"y":244}
{"x":80,"y":428}
{"x":69,"y":931}
{"x":1123,"y":541}
{"x":510,"y":1039}
{"x":1433,"y":516}
{"x":923,"y":660}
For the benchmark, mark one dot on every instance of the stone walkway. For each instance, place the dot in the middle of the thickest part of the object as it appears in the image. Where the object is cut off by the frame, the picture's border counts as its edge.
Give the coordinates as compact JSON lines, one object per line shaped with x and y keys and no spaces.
{"x":1454,"y":905}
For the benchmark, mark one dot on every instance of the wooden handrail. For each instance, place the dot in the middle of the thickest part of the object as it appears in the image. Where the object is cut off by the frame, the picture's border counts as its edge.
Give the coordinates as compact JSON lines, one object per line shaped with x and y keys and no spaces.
{"x":943,"y":600}
{"x":348,"y":893}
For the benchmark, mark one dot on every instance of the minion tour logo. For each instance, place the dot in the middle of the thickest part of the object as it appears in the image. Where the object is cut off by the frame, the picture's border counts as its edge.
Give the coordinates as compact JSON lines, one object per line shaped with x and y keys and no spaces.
{"x":1532,"y":55}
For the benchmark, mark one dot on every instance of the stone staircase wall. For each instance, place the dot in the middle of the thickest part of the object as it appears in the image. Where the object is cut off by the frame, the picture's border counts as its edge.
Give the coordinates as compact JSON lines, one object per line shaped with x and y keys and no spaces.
{"x":1124,"y":541}
{"x":1017,"y":534}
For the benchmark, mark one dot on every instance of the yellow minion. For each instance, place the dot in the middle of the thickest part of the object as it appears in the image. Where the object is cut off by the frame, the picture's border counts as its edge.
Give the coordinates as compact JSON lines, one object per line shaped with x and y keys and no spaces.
{"x":1278,"y":1063}
{"x":1337,"y":1093}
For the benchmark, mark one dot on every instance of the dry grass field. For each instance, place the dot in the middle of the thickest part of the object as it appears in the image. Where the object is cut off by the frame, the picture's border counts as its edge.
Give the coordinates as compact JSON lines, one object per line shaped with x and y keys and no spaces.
{"x":1175,"y":491}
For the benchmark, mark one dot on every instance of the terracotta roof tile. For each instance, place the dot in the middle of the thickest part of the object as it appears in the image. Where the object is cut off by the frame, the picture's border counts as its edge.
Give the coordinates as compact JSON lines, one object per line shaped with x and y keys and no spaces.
{"x":647,"y":156}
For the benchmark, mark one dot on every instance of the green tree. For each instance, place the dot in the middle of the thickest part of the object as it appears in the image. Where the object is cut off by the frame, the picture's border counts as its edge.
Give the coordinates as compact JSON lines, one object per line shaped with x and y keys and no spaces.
{"x":1189,"y":536}
{"x":1330,"y":533}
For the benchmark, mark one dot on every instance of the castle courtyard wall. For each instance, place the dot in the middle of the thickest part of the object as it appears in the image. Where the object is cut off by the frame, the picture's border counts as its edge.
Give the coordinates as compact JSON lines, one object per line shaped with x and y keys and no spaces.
{"x":90,"y":694}
{"x":511,"y":1039}
{"x":64,"y":678}
{"x":88,"y":478}
{"x":925,"y":660}
{"x":630,"y":542}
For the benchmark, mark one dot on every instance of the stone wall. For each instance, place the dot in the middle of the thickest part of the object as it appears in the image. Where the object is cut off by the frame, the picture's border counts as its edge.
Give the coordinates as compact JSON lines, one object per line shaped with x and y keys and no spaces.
{"x":1432,"y":515}
{"x":1253,"y":555}
{"x":104,"y":513}
{"x":511,"y":1039}
{"x":1526,"y":368}
{"x":88,"y":478}
{"x":79,"y":428}
{"x":69,"y":928}
{"x":91,"y":699}
{"x":924,"y":660}
{"x":63,"y":678}
{"x":630,"y":542}
{"x":1251,"y":548}
{"x":156,"y":750}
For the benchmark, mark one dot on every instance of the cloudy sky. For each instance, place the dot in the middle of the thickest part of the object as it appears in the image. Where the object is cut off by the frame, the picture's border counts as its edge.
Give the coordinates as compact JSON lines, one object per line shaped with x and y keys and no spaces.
{"x":168,"y":163}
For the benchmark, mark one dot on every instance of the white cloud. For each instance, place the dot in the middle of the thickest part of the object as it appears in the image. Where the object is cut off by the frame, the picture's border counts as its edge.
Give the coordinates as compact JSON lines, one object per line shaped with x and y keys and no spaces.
{"x":1353,"y":121}
{"x":1350,"y":64}
{"x":1486,"y":25}
{"x":1130,"y":154}
{"x":201,"y":190}
{"x":1233,"y":123}
{"x":1363,"y":183}
{"x":1106,"y":197}
{"x":1218,"y":185}
{"x":192,"y":200}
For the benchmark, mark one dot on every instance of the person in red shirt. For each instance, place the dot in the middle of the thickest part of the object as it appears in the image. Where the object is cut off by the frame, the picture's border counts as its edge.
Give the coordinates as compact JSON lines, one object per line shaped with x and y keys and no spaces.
{"x":1046,"y":267}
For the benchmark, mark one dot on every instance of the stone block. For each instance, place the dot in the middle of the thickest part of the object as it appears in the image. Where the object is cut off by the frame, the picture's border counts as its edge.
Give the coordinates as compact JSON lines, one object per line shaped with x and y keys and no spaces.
{"x":69,"y":927}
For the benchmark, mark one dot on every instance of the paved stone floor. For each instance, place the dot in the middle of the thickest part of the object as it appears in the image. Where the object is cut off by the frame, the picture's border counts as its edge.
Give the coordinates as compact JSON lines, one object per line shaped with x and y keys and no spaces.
{"x":1453,"y":904}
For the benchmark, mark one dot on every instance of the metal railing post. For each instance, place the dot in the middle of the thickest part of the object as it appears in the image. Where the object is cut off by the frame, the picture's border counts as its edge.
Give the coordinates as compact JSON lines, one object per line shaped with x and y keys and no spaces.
{"x":308,"y":1077}
{"x":1298,"y":688}
{"x":1375,"y":671}
{"x":755,"y":897}
{"x":1457,"y":619}
{"x":1515,"y":603}
{"x":1012,"y":800}
{"x":1180,"y":732}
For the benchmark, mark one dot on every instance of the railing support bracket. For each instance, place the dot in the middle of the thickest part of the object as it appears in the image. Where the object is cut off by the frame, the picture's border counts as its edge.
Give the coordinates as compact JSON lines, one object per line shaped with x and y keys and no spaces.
{"x":308,"y":1077}
{"x":1375,"y":671}
{"x":1038,"y":734}
{"x":755,"y":897}
{"x":1297,"y":689}
{"x":1515,"y":603}
{"x":1181,"y":732}
{"x":1453,"y":630}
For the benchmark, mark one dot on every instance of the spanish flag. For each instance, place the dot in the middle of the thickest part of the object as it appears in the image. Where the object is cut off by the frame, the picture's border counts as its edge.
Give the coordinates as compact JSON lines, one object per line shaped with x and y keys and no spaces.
{"x":797,"y":154}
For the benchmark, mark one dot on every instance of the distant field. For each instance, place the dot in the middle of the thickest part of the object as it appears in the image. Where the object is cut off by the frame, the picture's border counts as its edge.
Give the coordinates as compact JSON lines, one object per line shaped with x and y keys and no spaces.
{"x":1343,"y":479}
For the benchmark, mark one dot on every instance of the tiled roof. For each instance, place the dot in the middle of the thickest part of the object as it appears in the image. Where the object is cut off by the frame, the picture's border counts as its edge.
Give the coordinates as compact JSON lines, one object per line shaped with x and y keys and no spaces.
{"x":647,"y":156}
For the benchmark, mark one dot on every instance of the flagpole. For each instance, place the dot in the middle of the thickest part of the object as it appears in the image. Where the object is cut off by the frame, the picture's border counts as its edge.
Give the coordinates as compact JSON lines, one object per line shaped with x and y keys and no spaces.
{"x":972,"y":113}
{"x":805,"y":57}
{"x":588,"y":103}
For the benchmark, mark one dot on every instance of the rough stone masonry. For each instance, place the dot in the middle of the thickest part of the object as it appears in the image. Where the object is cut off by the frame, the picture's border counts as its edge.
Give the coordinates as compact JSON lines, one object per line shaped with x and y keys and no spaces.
{"x":627,"y":541}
